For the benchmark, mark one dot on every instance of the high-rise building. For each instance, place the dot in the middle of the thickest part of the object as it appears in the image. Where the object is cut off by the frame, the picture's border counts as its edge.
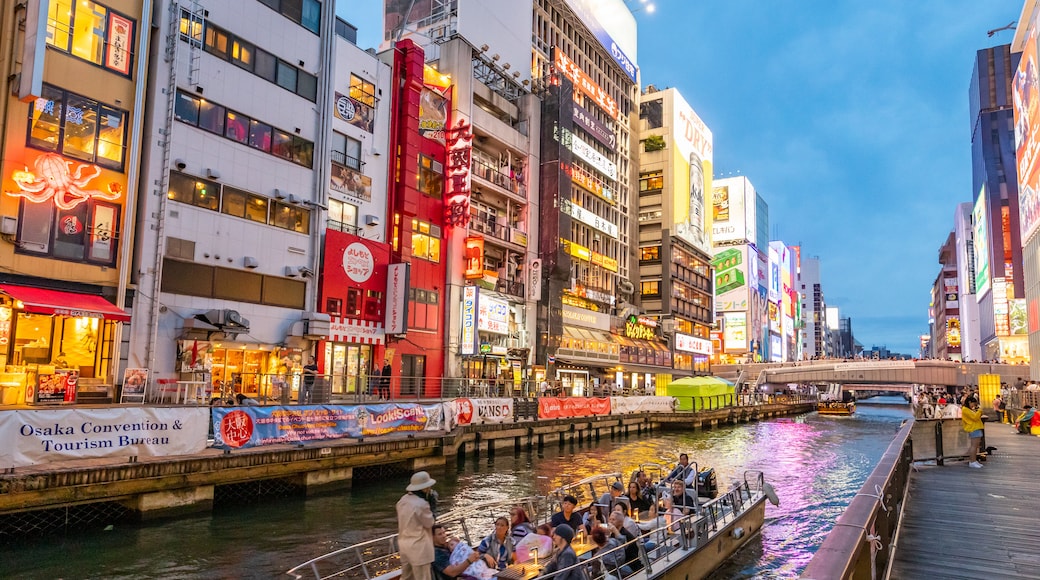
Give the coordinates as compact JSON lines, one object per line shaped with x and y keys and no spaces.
{"x":968,"y":306}
{"x":999,"y":283}
{"x":945,"y":304}
{"x":674,"y":223}
{"x":71,"y":127}
{"x":814,"y":336}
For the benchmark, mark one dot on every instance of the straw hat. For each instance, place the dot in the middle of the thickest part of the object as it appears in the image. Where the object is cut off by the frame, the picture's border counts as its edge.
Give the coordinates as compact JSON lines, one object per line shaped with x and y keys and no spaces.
{"x":420,"y":480}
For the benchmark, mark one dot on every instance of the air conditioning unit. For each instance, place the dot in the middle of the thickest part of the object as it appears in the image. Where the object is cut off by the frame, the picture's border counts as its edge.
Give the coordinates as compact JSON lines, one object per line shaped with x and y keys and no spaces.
{"x":292,"y":271}
{"x":8,"y":225}
{"x":371,"y":220}
{"x":280,"y":194}
{"x":235,"y":320}
{"x":316,"y":325}
{"x":294,"y":199}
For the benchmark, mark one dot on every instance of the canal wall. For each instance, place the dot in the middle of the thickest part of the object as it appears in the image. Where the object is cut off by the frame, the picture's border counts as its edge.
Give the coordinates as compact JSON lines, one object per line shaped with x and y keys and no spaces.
{"x":169,"y":486}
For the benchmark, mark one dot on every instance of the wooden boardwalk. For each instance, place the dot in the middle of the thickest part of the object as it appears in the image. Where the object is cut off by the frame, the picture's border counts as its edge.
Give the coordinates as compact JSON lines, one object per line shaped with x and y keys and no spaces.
{"x":960,"y":522}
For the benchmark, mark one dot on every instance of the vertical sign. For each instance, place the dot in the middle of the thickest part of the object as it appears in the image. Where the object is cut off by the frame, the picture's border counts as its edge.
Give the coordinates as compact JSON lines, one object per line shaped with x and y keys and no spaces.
{"x":469,"y":320}
{"x":30,"y":81}
{"x":460,"y":150}
{"x":397,"y":299}
{"x":120,"y":32}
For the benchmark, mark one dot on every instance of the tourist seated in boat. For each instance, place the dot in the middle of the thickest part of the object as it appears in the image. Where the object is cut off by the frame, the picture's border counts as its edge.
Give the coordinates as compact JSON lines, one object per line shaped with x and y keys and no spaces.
{"x":646,"y":487}
{"x":612,"y":559}
{"x":682,"y":469}
{"x":613,"y":496}
{"x":627,"y":521}
{"x":443,"y":546}
{"x":497,"y":548}
{"x":567,"y":515}
{"x":594,"y":516}
{"x":563,"y":555}
{"x":520,"y":522}
{"x":1025,"y":419}
{"x":617,"y":529}
{"x":641,"y":505}
{"x":682,"y":499}
{"x":667,"y":515}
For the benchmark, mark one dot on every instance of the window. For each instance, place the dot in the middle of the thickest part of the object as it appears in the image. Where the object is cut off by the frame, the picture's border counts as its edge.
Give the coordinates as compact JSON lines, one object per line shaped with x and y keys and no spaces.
{"x":266,"y":65}
{"x":334,"y":306}
{"x":194,"y":191}
{"x":216,"y":41}
{"x":651,"y":181}
{"x":431,"y":177}
{"x":307,"y":86}
{"x":306,"y":13}
{"x":88,"y":232}
{"x":286,"y":76}
{"x":216,"y":119}
{"x":92,"y":32}
{"x":192,"y":279}
{"x":346,"y":151}
{"x":426,"y":241}
{"x":353,"y":309}
{"x":290,"y":217}
{"x":78,"y":127}
{"x":229,"y":200}
{"x":242,"y":54}
{"x":650,"y":254}
{"x":243,"y":204}
{"x":650,"y":288}
{"x":422,"y":309}
{"x":362,"y":91}
{"x":342,"y":216}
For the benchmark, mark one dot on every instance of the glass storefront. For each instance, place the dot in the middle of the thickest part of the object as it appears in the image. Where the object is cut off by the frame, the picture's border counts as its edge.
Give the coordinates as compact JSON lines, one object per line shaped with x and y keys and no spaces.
{"x":265,"y":372}
{"x":349,"y":366}
{"x":575,"y":383}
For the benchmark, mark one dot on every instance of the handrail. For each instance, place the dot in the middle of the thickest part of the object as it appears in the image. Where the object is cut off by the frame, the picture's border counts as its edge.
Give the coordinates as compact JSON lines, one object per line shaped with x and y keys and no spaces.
{"x":857,"y":544}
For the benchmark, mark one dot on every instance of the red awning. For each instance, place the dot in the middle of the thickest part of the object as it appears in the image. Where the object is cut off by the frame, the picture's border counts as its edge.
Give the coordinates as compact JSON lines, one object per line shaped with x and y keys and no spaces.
{"x":44,"y":301}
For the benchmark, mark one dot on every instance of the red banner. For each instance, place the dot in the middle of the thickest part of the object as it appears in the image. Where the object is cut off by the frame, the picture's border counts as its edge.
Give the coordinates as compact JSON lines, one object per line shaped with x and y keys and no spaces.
{"x":566,"y":407}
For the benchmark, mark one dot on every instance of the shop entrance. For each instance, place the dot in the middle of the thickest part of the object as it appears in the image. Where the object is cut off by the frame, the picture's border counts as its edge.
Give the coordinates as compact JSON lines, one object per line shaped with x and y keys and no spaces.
{"x":350,"y":367}
{"x":573,"y":382}
{"x":413,"y":374}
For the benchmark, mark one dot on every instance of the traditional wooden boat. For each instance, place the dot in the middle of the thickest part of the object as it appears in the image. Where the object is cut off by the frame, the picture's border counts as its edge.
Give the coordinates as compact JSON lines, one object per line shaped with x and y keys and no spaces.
{"x":835,"y":408}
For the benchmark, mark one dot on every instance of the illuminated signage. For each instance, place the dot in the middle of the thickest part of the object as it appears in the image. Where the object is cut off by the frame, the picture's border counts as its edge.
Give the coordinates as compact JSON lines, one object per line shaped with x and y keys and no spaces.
{"x":358,"y":263}
{"x":576,"y":250}
{"x":586,"y":318}
{"x":594,"y":127}
{"x":590,"y":183}
{"x":687,"y":343}
{"x":5,"y":325}
{"x":120,"y":30}
{"x":593,"y":157}
{"x":474,"y":258}
{"x":639,"y":331}
{"x":53,"y":178}
{"x":588,"y":218}
{"x":1001,"y":326}
{"x":604,"y":261}
{"x":584,"y":84}
{"x":396,"y":321}
{"x":456,"y":173}
{"x":953,"y":331}
{"x":586,"y":10}
{"x":734,"y":333}
{"x":493,"y":315}
{"x":981,"y":245}
{"x":1027,"y":137}
{"x":469,"y":320}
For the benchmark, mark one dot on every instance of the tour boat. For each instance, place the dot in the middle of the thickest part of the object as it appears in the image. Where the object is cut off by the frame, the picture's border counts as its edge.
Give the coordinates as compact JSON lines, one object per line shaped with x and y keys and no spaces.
{"x":686,"y":547}
{"x":835,"y":408}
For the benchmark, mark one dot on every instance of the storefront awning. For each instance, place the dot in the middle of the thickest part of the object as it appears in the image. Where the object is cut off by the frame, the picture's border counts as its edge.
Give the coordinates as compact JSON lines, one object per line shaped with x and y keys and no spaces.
{"x":62,"y":303}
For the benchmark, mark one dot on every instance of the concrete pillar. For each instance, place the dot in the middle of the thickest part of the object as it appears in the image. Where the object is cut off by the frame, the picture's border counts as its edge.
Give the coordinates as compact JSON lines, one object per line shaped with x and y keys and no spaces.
{"x":171,"y":503}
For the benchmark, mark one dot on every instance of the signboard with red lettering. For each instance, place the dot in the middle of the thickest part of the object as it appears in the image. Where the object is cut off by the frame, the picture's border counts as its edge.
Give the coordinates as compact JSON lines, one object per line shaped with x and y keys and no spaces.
{"x":584,"y":84}
{"x":457,"y":175}
{"x":568,"y":407}
{"x":354,"y":273}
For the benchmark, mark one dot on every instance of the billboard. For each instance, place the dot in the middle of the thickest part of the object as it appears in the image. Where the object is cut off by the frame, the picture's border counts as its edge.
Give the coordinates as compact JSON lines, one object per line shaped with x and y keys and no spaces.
{"x":613,"y":25}
{"x":733,"y":276}
{"x":734,"y":332}
{"x":981,"y":245}
{"x":733,"y":211}
{"x":1027,"y":136}
{"x":773,"y":274}
{"x":693,"y":157}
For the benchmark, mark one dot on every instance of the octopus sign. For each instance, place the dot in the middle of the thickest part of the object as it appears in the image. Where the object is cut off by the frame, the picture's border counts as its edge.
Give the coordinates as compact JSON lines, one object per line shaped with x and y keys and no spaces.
{"x":53,"y":177}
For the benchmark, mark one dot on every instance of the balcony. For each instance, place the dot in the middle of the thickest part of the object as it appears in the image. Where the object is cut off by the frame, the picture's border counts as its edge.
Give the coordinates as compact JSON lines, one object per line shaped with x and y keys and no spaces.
{"x":486,"y":171}
{"x":496,"y":230}
{"x":510,"y":287}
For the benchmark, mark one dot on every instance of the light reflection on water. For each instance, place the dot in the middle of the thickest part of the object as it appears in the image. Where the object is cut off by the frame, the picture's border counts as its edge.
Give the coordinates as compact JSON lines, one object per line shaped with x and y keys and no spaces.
{"x":815,"y":463}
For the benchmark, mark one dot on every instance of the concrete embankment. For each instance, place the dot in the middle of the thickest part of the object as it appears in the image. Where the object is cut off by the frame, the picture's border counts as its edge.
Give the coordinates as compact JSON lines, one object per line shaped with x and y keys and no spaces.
{"x":168,"y":486}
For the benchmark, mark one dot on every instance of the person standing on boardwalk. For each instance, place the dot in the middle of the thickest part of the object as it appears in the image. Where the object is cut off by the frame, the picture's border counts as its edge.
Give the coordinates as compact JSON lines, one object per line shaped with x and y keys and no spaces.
{"x":996,"y":408}
{"x":415,"y":528}
{"x":971,"y":420}
{"x":310,"y":373}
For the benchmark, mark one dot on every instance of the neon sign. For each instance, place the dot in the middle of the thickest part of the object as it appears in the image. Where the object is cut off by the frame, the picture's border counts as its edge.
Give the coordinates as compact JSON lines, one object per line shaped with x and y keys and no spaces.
{"x":460,"y":151}
{"x":52,"y":178}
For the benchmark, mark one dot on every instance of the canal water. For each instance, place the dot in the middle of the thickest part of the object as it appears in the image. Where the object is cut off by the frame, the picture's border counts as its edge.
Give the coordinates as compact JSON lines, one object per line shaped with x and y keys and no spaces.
{"x":816,"y":464}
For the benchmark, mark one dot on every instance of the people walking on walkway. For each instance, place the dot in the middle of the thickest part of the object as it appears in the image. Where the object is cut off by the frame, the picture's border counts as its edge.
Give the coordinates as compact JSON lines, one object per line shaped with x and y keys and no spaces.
{"x":971,"y":420}
{"x":998,"y":408}
{"x":415,"y":528}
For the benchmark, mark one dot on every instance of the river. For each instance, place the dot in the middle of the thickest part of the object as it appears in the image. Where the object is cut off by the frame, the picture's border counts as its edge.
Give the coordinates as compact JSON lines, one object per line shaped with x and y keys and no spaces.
{"x":816,"y":464}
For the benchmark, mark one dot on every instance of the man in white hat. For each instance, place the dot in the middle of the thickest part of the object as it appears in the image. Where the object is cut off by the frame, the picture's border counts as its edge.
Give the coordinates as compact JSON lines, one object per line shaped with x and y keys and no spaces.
{"x":414,"y":528}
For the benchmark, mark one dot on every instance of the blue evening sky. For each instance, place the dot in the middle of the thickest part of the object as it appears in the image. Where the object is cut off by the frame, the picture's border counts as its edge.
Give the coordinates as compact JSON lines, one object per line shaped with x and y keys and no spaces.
{"x":850,"y":117}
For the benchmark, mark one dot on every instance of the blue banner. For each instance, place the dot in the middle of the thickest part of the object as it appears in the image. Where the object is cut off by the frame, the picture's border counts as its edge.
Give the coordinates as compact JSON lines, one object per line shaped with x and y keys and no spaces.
{"x":243,"y":427}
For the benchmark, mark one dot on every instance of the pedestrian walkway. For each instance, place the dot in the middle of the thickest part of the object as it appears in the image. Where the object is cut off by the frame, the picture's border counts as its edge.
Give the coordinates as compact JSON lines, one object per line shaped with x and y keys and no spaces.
{"x":963,"y":523}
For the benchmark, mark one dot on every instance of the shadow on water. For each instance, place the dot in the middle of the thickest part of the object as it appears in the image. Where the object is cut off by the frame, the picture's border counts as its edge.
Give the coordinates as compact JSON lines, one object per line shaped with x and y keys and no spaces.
{"x":815,"y":463}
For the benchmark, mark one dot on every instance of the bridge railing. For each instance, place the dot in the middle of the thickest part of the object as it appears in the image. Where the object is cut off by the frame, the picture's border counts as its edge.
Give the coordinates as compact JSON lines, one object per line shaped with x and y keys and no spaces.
{"x":860,"y":545}
{"x":715,"y":402}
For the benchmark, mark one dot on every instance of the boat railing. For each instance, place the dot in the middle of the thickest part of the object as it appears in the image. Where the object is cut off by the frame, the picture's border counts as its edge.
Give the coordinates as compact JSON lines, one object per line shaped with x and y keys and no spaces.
{"x":586,"y":491}
{"x":672,"y":540}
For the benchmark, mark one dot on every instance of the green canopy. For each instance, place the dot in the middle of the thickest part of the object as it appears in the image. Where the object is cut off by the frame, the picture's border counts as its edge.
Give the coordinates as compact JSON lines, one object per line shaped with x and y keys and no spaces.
{"x":696,"y":393}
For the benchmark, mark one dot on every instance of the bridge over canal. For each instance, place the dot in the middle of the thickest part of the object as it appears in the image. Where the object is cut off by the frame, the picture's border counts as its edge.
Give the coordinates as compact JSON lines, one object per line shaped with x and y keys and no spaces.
{"x":896,"y":375}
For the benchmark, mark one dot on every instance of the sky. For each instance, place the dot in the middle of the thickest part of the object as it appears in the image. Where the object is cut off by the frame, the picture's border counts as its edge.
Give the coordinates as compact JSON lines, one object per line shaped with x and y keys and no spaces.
{"x":849,"y":117}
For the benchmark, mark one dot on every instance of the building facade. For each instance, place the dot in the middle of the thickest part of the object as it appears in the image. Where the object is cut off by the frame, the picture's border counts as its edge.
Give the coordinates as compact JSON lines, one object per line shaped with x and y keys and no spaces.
{"x":814,"y":335}
{"x":945,"y":305}
{"x":968,"y":306}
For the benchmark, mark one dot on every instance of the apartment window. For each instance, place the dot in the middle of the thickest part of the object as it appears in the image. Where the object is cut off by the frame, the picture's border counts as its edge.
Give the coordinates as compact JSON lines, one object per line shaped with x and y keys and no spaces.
{"x":426,"y":241}
{"x":88,"y":232}
{"x":78,"y":127}
{"x":216,"y":119}
{"x":650,"y":254}
{"x":362,"y":91}
{"x":243,"y":204}
{"x":346,"y":151}
{"x":232,"y":201}
{"x":431,"y":177}
{"x":342,"y":216}
{"x":242,"y":54}
{"x":290,"y":217}
{"x":92,"y":32}
{"x":651,"y":181}
{"x":650,"y":288}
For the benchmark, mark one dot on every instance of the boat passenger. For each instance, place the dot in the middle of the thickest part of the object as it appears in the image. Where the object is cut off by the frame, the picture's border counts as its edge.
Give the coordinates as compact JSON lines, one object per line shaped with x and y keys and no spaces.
{"x":497,"y":548}
{"x":617,"y":528}
{"x":544,"y":530}
{"x":682,"y":470}
{"x":567,"y":515}
{"x":681,"y":499}
{"x":564,"y":555}
{"x":646,"y":487}
{"x":612,"y":497}
{"x":520,"y":522}
{"x":628,"y":522}
{"x":641,"y":506}
{"x":613,"y":560}
{"x":594,"y":516}
{"x":443,"y":569}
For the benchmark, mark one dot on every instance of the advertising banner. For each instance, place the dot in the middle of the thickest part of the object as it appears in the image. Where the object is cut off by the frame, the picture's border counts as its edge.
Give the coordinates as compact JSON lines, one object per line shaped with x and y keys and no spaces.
{"x":773,"y":272}
{"x":1027,"y":136}
{"x":345,"y":180}
{"x":470,"y":297}
{"x":396,"y":320}
{"x":733,"y":275}
{"x":981,"y":245}
{"x":242,"y":427}
{"x":734,"y":333}
{"x":600,"y":16}
{"x":59,"y":387}
{"x":33,"y":437}
{"x":584,"y":84}
{"x":627,"y":405}
{"x":433,"y":114}
{"x":693,"y":160}
{"x":356,"y":113}
{"x":567,"y":407}
{"x":481,"y":411}
{"x":596,"y":129}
